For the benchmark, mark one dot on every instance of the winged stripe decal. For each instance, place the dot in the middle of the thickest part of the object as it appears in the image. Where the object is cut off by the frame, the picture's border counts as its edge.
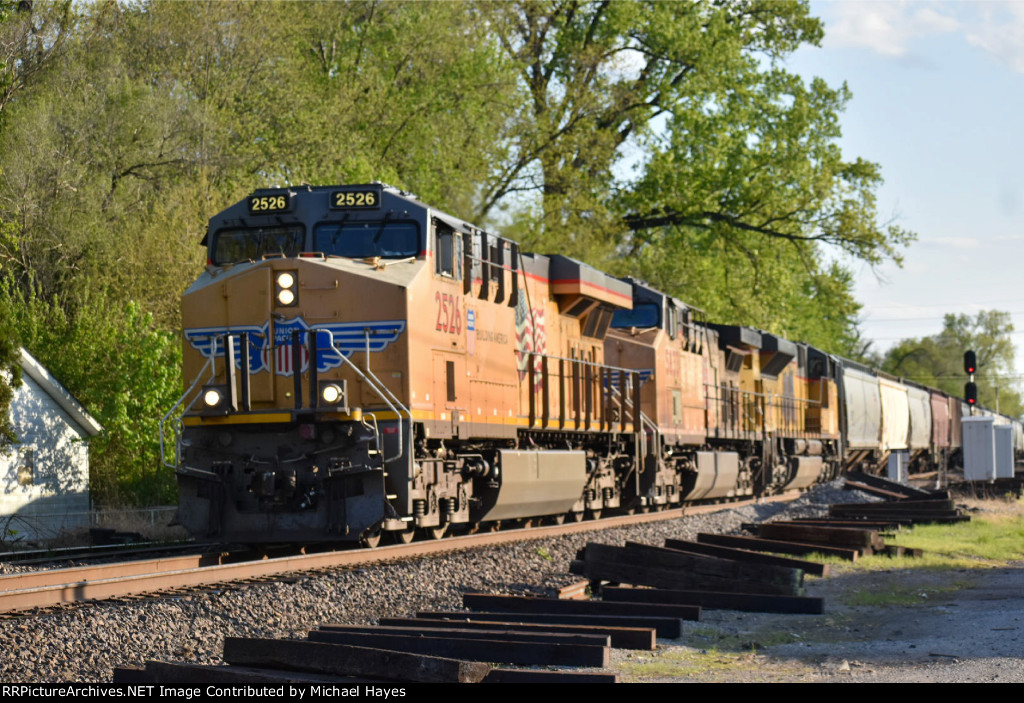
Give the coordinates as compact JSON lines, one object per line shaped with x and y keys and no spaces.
{"x":273,"y":352}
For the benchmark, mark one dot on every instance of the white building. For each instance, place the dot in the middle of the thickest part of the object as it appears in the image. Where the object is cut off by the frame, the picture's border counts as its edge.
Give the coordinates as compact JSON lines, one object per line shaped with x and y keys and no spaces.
{"x":44,"y":480}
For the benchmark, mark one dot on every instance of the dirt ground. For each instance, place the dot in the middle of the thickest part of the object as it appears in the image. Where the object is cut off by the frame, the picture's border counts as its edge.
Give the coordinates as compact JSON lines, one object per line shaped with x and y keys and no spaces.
{"x":961,"y":625}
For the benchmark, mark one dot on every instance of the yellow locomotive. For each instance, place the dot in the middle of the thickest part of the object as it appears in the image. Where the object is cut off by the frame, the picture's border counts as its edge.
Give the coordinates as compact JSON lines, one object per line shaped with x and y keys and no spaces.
{"x":359,"y":364}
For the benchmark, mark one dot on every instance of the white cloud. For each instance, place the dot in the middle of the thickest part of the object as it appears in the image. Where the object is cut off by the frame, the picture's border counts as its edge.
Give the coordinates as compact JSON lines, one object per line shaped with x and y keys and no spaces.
{"x":885,"y":27}
{"x":891,"y":27}
{"x":952,"y":242}
{"x":1000,"y":31}
{"x":930,"y":21}
{"x":1008,"y":237}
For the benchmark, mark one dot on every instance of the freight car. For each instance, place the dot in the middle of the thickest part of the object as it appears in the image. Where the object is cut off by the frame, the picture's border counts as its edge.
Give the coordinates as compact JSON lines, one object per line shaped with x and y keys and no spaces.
{"x":360,"y":364}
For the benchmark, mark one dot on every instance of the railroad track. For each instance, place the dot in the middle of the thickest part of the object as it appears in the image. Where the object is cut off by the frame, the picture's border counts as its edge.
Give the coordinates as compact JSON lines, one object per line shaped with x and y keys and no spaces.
{"x":55,"y":587}
{"x":30,"y":557}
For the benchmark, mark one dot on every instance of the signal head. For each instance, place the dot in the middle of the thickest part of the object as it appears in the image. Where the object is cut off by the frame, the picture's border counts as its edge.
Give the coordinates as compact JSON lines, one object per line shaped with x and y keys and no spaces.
{"x":970,"y":362}
{"x":971,"y":393}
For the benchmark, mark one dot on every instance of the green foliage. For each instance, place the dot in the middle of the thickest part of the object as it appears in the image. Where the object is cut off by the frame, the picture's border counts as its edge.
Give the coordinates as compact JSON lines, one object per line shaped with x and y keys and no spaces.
{"x":378,"y":97}
{"x":30,"y":39}
{"x":754,"y":281}
{"x":739,"y":189}
{"x":10,"y":369}
{"x":32,"y":36}
{"x":125,"y":371}
{"x":937,"y":360}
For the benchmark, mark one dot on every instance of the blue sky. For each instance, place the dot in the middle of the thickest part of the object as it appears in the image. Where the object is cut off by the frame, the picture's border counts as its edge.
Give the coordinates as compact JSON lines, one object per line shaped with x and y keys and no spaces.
{"x":938,"y":102}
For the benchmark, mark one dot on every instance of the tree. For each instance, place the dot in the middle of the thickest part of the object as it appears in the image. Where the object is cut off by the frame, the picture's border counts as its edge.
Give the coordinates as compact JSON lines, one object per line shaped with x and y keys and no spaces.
{"x":32,"y":36}
{"x":937,"y":360}
{"x":30,"y":40}
{"x":745,"y":145}
{"x":736,"y":173}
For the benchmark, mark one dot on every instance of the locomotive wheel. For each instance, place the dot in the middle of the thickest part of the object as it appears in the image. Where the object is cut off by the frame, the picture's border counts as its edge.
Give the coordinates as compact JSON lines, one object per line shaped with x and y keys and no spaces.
{"x":405,"y":536}
{"x":576,"y":516}
{"x":437,"y":532}
{"x":595,"y":514}
{"x":557,"y":519}
{"x":371,"y":541}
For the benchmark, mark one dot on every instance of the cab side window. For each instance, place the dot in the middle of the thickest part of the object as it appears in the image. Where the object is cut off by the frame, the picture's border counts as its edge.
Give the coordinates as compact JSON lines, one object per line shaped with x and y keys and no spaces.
{"x":447,"y":253}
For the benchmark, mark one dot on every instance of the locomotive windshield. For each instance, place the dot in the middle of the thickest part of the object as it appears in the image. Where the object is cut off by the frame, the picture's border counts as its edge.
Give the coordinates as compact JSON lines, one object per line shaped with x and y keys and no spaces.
{"x":642,"y":315}
{"x":361,"y":240}
{"x":236,"y":245}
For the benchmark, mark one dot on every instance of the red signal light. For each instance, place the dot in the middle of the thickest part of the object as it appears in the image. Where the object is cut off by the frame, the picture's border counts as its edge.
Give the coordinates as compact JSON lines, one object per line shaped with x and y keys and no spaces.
{"x":970,"y":362}
{"x":971,"y":393}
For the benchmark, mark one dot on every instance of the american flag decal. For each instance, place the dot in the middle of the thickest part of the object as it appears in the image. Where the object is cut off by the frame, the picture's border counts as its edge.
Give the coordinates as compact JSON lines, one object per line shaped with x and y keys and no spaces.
{"x":530,"y":337}
{"x":281,"y":351}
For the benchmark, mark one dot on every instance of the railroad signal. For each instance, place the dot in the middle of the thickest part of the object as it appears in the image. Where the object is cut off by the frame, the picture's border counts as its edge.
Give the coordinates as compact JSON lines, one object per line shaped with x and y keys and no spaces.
{"x":971,"y":393}
{"x":970,"y":362}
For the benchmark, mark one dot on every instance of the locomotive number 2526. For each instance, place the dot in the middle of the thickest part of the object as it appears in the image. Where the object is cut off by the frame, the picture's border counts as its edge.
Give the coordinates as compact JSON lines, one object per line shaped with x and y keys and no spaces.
{"x":449,"y":316}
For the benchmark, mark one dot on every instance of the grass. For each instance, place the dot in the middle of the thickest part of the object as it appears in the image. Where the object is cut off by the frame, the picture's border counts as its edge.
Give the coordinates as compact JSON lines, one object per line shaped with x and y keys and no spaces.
{"x":990,"y":540}
{"x":543,"y":554}
{"x":902,"y":595}
{"x":993,"y":537}
{"x":683,"y":662}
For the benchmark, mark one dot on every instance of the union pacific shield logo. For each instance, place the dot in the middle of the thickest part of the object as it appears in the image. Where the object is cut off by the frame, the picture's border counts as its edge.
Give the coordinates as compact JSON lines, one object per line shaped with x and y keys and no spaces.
{"x":273,"y":353}
{"x":279,"y":356}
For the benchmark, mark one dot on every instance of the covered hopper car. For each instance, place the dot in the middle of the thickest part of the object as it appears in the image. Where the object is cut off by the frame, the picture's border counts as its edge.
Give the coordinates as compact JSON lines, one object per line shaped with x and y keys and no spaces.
{"x":359,"y":364}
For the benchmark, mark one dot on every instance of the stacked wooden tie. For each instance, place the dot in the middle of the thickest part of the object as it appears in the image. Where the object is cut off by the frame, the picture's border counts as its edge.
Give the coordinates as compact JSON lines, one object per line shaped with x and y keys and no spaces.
{"x":852,"y":530}
{"x":502,"y":632}
{"x":457,"y":647}
{"x":699,"y":574}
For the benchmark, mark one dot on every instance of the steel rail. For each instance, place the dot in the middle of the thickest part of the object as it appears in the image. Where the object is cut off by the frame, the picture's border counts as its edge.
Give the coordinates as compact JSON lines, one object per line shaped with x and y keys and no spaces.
{"x":64,"y":586}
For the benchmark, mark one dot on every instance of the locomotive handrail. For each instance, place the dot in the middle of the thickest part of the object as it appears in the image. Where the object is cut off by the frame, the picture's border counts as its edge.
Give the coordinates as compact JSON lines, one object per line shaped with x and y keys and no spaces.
{"x":759,"y":407}
{"x":385,"y":389}
{"x":582,"y":361}
{"x":163,"y":454}
{"x":628,"y":402}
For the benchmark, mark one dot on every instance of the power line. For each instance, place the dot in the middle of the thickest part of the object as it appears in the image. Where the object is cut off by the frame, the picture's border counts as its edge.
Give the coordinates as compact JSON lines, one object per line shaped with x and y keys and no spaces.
{"x":956,"y":304}
{"x":963,"y":377}
{"x":926,"y":319}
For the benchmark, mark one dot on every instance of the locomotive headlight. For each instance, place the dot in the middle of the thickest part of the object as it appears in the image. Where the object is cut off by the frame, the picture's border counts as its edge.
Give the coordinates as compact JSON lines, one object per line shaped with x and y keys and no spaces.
{"x":212,"y":398}
{"x":215,"y":399}
{"x":286,"y":289}
{"x":333,"y":395}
